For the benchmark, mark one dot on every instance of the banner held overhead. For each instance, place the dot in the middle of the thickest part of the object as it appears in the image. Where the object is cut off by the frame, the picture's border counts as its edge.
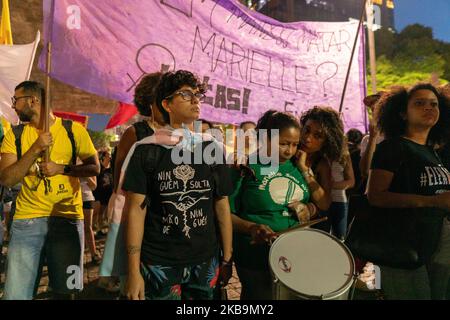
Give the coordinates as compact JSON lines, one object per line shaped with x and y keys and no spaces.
{"x":252,"y":63}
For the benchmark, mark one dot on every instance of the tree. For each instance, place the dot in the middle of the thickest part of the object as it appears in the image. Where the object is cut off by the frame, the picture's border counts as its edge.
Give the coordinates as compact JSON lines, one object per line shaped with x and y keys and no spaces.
{"x":384,"y":42}
{"x":409,"y":57}
{"x":101,"y":140}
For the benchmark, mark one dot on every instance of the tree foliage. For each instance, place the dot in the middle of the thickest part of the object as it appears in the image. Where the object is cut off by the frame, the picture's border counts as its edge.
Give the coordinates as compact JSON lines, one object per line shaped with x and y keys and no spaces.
{"x":101,"y":140}
{"x":410,"y":56}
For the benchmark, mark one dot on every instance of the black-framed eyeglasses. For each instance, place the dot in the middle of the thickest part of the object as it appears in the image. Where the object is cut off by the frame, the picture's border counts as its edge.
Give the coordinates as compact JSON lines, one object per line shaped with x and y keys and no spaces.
{"x":14,"y":99}
{"x":187,"y":95}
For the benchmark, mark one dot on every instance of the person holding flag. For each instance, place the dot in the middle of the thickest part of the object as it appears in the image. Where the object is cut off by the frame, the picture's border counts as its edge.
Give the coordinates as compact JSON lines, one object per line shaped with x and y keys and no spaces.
{"x":48,"y":221}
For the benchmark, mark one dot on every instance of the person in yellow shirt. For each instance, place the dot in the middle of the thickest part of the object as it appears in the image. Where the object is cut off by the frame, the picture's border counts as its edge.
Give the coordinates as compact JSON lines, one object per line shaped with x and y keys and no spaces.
{"x":48,"y":222}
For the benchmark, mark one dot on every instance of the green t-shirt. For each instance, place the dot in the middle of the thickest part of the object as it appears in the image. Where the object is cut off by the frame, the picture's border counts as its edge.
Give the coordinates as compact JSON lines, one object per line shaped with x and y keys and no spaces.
{"x":265,"y":201}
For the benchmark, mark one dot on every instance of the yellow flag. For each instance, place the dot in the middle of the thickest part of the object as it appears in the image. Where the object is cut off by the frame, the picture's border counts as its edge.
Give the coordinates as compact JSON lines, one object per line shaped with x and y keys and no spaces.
{"x":6,"y":125}
{"x":5,"y":25}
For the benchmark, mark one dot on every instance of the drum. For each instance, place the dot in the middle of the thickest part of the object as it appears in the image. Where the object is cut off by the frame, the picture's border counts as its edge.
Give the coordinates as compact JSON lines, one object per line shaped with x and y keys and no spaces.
{"x":311,"y":264}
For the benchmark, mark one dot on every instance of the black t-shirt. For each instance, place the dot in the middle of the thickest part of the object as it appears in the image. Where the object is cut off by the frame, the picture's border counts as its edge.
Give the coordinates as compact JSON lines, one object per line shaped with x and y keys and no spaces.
{"x":445,"y":155}
{"x":180,"y":221}
{"x":142,"y":130}
{"x":417,"y":168}
{"x":104,"y":188}
{"x":359,"y":187}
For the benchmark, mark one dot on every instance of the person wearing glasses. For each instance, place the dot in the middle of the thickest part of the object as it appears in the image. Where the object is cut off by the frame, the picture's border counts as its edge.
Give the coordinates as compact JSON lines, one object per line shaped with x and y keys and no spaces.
{"x":171,"y":237}
{"x":48,"y":222}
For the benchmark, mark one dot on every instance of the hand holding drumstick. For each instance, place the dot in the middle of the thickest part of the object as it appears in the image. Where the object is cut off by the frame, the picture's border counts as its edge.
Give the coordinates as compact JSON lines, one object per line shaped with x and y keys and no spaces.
{"x":261,"y":234}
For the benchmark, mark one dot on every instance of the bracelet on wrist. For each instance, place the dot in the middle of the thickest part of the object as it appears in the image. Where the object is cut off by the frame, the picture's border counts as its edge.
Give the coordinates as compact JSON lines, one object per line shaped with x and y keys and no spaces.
{"x":312,"y":209}
{"x":67,"y":169}
{"x":308,"y":173}
{"x":227,"y":263}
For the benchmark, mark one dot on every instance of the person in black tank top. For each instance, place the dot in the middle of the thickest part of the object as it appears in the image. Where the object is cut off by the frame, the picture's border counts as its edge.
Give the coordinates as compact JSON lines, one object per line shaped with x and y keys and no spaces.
{"x":144,"y":99}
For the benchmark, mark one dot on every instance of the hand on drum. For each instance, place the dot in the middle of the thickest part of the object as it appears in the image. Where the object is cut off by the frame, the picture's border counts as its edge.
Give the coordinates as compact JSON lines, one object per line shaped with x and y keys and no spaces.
{"x":261,"y":234}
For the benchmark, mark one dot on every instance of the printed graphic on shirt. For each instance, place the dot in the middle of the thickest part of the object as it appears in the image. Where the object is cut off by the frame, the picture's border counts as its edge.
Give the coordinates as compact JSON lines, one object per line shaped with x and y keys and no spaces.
{"x":283,"y":188}
{"x":435,"y":176}
{"x":170,"y":182}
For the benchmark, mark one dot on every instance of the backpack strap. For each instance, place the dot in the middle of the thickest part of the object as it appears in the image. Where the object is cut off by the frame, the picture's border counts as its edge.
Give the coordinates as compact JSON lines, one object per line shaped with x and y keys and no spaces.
{"x":142,"y":129}
{"x":67,"y":124}
{"x":18,"y":130}
{"x":2,"y":132}
{"x":152,"y":159}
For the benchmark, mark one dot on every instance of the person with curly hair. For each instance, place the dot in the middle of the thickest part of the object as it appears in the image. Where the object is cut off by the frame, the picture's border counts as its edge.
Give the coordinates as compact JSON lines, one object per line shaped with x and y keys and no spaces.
{"x":114,"y":258}
{"x":178,"y":213}
{"x":322,"y":142}
{"x":406,"y":172}
{"x":144,"y":100}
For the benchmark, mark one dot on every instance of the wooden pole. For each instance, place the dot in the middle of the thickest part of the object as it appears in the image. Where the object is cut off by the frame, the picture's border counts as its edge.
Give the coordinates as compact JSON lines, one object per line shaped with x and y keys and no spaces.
{"x":361,"y":19}
{"x":47,"y":96}
{"x":372,"y":56}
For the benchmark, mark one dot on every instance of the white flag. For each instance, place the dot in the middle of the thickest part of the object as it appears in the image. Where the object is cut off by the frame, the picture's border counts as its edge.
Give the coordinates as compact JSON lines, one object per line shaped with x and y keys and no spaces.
{"x":16,"y":62}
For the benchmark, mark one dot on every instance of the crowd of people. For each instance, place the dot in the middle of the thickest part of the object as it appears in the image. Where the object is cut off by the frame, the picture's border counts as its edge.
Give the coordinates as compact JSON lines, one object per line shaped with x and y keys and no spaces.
{"x":174,"y":230}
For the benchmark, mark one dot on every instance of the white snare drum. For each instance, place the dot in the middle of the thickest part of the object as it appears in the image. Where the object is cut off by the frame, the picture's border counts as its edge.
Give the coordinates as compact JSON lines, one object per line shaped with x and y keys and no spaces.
{"x":311,"y":264}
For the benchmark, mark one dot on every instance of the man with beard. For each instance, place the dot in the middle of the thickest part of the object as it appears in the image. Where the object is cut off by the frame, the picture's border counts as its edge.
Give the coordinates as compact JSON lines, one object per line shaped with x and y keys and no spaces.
{"x":48,"y":223}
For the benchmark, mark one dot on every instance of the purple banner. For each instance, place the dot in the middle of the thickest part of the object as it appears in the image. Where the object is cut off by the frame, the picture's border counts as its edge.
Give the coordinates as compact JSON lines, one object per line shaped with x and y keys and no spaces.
{"x":252,"y":63}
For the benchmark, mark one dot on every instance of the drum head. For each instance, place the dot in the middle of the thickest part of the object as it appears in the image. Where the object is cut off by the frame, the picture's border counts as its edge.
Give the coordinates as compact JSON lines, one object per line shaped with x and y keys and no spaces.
{"x":312,"y":263}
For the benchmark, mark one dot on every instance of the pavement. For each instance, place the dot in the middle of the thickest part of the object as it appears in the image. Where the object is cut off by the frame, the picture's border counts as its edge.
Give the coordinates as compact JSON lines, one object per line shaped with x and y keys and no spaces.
{"x":91,"y":290}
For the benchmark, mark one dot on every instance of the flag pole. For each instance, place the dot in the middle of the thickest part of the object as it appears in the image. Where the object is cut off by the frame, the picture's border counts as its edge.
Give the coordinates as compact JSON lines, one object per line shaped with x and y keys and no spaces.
{"x":47,"y":93}
{"x":361,"y":19}
{"x":372,"y":55}
{"x":48,"y":80}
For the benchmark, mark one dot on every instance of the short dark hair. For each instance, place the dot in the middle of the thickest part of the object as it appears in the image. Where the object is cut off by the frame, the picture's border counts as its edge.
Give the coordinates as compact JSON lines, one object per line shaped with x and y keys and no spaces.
{"x":209,"y":123}
{"x":333,"y":129}
{"x":33,"y":87}
{"x":102,"y":154}
{"x":395,"y":104}
{"x":273,"y":119}
{"x":171,"y":82}
{"x":144,"y":94}
{"x":354,"y":136}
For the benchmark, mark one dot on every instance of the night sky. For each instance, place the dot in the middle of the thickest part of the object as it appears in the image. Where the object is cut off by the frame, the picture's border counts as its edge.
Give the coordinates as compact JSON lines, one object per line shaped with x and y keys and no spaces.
{"x":431,"y":13}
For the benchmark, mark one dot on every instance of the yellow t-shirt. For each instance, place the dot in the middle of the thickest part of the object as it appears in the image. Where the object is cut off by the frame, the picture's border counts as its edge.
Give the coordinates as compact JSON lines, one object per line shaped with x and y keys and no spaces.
{"x":64,"y":198}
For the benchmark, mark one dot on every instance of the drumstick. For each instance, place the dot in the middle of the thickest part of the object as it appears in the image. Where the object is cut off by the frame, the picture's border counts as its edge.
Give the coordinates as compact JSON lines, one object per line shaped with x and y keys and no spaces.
{"x":303,"y":225}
